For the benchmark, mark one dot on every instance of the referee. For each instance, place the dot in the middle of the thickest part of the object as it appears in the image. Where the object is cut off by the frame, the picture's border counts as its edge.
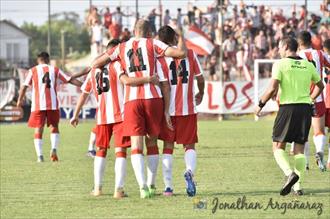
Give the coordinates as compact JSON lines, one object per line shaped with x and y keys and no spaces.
{"x":292,"y":77}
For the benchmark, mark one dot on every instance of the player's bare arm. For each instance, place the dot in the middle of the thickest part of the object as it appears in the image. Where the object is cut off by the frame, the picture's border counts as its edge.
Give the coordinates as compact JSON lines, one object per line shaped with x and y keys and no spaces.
{"x":138,"y":81}
{"x":101,"y":61}
{"x":181,"y":50}
{"x":75,"y":82}
{"x":85,"y":71}
{"x":75,"y":118}
{"x":166,"y":90}
{"x":317,"y":90}
{"x":21,"y":95}
{"x":200,"y":85}
{"x":270,"y":92}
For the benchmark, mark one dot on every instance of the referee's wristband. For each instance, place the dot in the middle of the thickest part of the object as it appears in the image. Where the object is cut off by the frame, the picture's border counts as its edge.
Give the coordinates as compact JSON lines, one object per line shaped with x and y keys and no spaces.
{"x":261,"y":104}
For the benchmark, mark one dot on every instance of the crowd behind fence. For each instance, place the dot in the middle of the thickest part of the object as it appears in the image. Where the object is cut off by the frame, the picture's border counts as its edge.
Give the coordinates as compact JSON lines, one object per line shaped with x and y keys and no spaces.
{"x":249,"y":32}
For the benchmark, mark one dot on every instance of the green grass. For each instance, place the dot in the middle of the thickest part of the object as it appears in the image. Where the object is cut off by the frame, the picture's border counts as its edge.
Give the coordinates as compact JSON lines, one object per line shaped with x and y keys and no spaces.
{"x":234,"y":160}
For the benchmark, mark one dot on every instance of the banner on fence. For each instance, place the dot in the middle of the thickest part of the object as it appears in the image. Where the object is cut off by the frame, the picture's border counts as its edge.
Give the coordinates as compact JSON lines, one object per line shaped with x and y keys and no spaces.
{"x":7,"y":92}
{"x":233,"y":97}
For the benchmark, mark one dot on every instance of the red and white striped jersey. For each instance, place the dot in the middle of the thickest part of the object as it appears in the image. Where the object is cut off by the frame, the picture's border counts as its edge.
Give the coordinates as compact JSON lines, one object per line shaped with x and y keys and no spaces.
{"x":44,"y":80}
{"x":110,"y":101}
{"x":327,"y":94}
{"x":320,"y":60}
{"x":138,"y":59}
{"x":180,"y":74}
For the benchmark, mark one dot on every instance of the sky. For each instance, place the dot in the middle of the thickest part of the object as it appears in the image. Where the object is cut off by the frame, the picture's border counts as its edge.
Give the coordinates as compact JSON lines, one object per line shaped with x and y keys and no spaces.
{"x":36,"y":11}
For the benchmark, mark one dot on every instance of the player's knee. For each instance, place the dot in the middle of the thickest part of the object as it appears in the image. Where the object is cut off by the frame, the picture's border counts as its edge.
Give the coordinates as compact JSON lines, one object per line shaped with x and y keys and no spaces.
{"x":136,"y":151}
{"x":152,"y":150}
{"x":101,"y":152}
{"x":168,"y":150}
{"x":54,"y":130}
{"x":319,"y":132}
{"x":38,"y":135}
{"x":121,"y":154}
{"x":151,"y":141}
{"x":189,"y":147}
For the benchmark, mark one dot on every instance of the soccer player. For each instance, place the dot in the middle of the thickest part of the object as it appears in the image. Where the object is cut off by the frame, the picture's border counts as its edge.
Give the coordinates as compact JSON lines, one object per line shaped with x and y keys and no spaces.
{"x":180,"y":74}
{"x":109,"y":92}
{"x":143,"y":104}
{"x":292,"y":76}
{"x":320,"y":60}
{"x":92,"y":137}
{"x":44,"y":80}
{"x":326,"y":46}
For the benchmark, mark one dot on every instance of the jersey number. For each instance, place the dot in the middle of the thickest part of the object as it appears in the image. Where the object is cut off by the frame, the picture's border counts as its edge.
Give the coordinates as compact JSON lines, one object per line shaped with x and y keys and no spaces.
{"x":104,"y":85}
{"x":180,"y":71}
{"x":131,"y":55}
{"x":46,"y":80}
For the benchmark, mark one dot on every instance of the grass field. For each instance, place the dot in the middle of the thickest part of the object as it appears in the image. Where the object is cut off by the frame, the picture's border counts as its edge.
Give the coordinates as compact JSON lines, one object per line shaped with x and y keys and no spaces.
{"x":234,"y":160}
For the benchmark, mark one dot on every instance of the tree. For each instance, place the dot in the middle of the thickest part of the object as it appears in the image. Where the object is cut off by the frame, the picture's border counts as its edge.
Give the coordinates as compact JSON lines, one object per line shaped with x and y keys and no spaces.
{"x":76,"y":35}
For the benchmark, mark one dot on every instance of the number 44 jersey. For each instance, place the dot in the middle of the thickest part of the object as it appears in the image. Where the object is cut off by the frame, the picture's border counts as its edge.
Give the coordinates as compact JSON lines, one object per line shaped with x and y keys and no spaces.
{"x":109,"y":92}
{"x":44,"y":80}
{"x":180,"y":74}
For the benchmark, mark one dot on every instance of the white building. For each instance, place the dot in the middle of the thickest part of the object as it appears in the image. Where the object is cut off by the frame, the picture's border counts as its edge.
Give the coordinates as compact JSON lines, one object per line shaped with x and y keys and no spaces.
{"x":14,"y":44}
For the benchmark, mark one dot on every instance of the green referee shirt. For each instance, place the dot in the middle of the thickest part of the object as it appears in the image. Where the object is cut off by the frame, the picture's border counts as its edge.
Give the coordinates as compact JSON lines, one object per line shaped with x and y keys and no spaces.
{"x":295,"y":76}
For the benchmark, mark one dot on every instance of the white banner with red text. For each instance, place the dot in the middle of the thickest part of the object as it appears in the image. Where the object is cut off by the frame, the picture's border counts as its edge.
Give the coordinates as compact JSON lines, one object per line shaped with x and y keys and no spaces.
{"x":233,"y":97}
{"x":7,"y":92}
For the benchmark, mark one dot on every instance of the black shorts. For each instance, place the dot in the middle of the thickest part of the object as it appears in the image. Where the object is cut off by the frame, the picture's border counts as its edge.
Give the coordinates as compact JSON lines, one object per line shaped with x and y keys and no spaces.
{"x":292,"y":123}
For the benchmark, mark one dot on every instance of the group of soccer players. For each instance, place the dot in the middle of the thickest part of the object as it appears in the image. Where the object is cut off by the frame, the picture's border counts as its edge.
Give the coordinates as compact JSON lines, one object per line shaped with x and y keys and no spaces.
{"x":144,"y":89}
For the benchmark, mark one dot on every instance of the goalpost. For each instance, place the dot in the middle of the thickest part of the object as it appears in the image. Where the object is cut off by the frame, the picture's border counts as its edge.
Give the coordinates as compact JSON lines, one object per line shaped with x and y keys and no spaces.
{"x":268,"y":63}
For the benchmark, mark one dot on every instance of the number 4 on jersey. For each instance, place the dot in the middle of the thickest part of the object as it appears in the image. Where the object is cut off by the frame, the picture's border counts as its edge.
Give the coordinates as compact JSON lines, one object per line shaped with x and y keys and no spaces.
{"x":46,"y":80}
{"x":180,"y":71}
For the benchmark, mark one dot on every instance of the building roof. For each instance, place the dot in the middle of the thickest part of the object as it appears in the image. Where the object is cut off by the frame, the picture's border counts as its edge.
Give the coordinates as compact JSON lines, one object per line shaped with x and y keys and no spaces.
{"x":15,"y":27}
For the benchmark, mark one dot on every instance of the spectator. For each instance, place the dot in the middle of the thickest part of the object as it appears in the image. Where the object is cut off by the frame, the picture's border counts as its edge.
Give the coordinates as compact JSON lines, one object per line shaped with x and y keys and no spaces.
{"x":117,"y":23}
{"x":167,"y":17}
{"x":213,"y":68}
{"x":152,"y":19}
{"x":293,"y":19}
{"x":126,"y":35}
{"x":225,"y":69}
{"x":229,"y":48}
{"x":191,"y":17}
{"x":107,"y":16}
{"x":97,"y":36}
{"x":179,"y":17}
{"x":92,"y":16}
{"x":256,"y":21}
{"x":261,"y":42}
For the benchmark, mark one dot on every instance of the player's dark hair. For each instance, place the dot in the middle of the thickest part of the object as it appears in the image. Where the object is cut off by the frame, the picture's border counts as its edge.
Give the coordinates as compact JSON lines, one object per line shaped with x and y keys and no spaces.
{"x":305,"y":38}
{"x":113,"y":43}
{"x":291,"y":43}
{"x":44,"y":56}
{"x":166,"y":34}
{"x":326,"y":44}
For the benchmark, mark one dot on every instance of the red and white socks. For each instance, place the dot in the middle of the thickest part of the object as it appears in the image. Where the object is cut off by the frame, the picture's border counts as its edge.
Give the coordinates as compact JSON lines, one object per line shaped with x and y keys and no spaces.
{"x":92,"y":139}
{"x":54,"y":140}
{"x":99,"y":168}
{"x":328,"y":165}
{"x":307,"y":153}
{"x":190,"y":158}
{"x":38,"y":144}
{"x":138,"y":167}
{"x":153,"y":160}
{"x":167,"y":163}
{"x":319,"y":141}
{"x":120,"y":169}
